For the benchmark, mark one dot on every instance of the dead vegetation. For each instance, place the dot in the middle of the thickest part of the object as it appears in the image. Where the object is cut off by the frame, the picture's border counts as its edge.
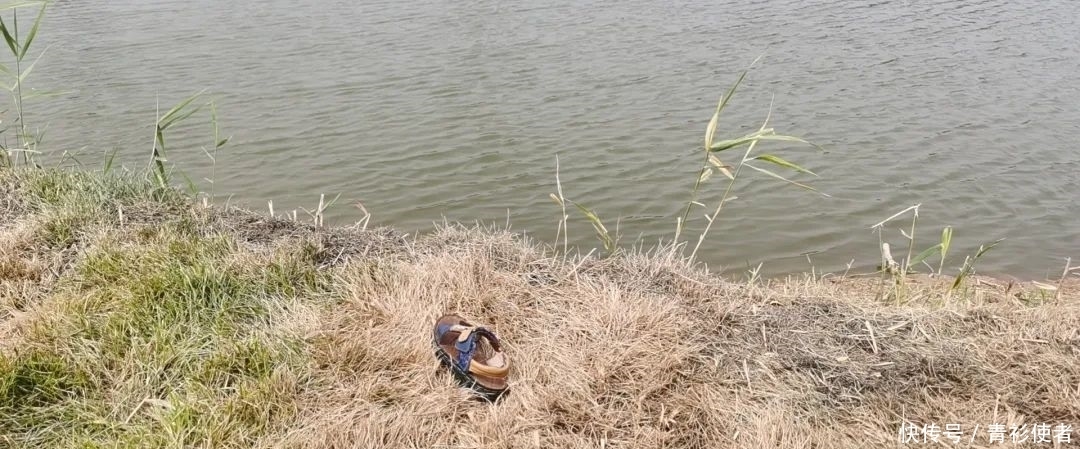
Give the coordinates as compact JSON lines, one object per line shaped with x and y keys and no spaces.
{"x":172,"y":325}
{"x":642,"y":351}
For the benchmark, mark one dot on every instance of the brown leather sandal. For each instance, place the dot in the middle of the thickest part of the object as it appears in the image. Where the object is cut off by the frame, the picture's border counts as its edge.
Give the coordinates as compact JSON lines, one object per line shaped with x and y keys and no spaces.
{"x":473,"y":354}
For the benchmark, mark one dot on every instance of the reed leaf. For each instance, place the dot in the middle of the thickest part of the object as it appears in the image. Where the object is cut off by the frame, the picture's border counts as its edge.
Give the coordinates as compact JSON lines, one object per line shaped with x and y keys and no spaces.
{"x":925,"y":254}
{"x":110,"y":159}
{"x":777,"y":160}
{"x":969,"y":263}
{"x":721,"y":167}
{"x":983,"y":250}
{"x":705,"y":175}
{"x":178,"y":113}
{"x":728,"y":144}
{"x":946,"y":242}
{"x":14,"y":5}
{"x":33,"y":31}
{"x":555,"y":199}
{"x":11,"y":42}
{"x":785,"y":138}
{"x":191,"y":187}
{"x":777,"y":176}
{"x":601,"y":230}
{"x":710,"y":130}
{"x":768,"y":134}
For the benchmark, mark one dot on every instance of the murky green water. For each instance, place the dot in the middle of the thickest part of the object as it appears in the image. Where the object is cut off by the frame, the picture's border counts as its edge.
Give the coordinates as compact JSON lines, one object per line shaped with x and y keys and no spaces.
{"x":428,"y":109}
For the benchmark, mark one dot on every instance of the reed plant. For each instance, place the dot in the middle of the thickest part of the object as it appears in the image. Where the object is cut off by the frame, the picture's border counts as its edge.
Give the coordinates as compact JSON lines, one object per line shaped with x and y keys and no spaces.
{"x":898,"y":272}
{"x":177,"y":114}
{"x":212,"y":153}
{"x":711,"y":165}
{"x":753,"y":159}
{"x":13,"y":78}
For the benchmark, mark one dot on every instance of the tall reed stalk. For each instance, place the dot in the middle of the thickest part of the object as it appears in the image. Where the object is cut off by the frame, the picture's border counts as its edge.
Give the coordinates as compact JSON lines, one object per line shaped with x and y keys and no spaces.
{"x":13,"y":80}
{"x":212,"y":153}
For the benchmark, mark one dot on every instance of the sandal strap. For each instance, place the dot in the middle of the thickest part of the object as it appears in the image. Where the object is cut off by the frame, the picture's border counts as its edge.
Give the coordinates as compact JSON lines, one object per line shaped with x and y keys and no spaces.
{"x":466,"y":346}
{"x":463,"y":331}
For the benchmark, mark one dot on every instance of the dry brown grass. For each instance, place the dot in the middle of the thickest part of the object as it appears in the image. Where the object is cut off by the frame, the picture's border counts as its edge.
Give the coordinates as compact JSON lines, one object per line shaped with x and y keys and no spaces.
{"x":635,"y":350}
{"x":643,"y":351}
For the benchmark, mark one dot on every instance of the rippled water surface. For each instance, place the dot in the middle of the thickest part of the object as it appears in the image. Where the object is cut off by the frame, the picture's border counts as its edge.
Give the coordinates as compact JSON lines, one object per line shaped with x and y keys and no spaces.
{"x":457,"y":109}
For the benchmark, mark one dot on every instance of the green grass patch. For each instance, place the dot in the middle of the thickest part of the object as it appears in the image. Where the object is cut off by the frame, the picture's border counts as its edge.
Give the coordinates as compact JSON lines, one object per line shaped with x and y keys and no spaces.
{"x":69,"y":202}
{"x":159,"y":337}
{"x":59,"y":188}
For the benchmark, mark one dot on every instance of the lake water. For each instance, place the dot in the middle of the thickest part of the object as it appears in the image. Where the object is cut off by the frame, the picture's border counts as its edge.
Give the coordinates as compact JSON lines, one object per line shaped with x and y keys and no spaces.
{"x":426,"y":110}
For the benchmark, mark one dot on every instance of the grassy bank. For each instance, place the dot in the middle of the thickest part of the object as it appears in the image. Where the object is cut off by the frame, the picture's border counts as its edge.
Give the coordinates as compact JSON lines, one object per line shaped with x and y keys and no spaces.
{"x":132,"y":317}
